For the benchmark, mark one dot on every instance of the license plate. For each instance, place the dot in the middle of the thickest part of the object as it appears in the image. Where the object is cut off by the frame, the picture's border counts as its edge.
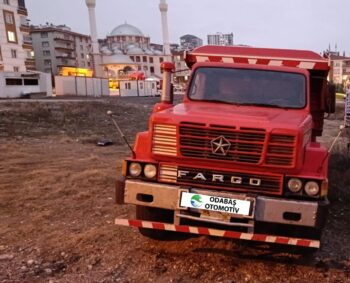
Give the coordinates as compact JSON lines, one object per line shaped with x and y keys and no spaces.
{"x":213,"y":203}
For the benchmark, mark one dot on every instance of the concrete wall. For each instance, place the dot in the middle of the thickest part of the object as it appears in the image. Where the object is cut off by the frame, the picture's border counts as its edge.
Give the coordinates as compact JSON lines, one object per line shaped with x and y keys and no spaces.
{"x":15,"y":91}
{"x":138,"y":88}
{"x":81,"y":86}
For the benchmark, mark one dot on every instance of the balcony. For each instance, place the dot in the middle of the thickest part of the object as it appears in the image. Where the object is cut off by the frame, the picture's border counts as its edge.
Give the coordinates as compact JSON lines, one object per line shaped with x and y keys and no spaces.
{"x":70,"y":57}
{"x":64,"y":48}
{"x":22,"y":11}
{"x":30,"y":64}
{"x":27,"y":45}
{"x":62,"y":39}
{"x":66,"y":62}
{"x":24,"y":28}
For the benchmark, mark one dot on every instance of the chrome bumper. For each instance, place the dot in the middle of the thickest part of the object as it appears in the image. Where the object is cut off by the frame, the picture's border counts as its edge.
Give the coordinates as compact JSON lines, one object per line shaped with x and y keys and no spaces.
{"x":267,"y":209}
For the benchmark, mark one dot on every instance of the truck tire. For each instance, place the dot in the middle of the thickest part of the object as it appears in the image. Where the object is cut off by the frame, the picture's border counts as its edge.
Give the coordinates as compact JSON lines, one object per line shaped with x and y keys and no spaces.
{"x":158,"y":215}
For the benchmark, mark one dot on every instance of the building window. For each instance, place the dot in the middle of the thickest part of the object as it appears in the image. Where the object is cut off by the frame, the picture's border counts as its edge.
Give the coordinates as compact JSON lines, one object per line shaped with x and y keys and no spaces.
{"x":138,"y":59}
{"x":7,"y":2}
{"x":14,"y":81}
{"x":11,"y":36}
{"x":46,"y":53}
{"x":89,"y":64}
{"x":16,"y":69}
{"x":151,"y":60}
{"x":132,"y":58}
{"x":44,"y":34}
{"x":31,"y":82}
{"x":45,"y":44}
{"x":145,"y":68}
{"x":21,"y":4}
{"x":82,"y":56}
{"x":81,"y":47}
{"x":139,"y":68}
{"x":9,"y":18}
{"x":10,"y":26}
{"x":161,"y":59}
{"x":47,"y":62}
{"x":152,"y":70}
{"x":83,"y":64}
{"x":144,"y":59}
{"x":13,"y":53}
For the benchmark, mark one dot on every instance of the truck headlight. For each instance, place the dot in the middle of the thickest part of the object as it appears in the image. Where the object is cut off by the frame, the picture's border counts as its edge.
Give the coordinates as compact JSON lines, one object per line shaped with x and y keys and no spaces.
{"x":135,"y":169}
{"x":150,"y":171}
{"x":295,"y":185}
{"x":312,"y":188}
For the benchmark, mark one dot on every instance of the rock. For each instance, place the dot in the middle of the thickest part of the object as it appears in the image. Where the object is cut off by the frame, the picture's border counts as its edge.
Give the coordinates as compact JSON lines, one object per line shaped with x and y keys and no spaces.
{"x":6,"y":257}
{"x":89,"y":267}
{"x":30,"y":262}
{"x":23,"y":268}
{"x":48,"y":271}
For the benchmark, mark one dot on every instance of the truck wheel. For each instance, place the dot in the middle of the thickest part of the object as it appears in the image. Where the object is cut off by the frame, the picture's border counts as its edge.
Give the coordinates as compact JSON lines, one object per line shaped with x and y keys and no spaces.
{"x":158,"y":215}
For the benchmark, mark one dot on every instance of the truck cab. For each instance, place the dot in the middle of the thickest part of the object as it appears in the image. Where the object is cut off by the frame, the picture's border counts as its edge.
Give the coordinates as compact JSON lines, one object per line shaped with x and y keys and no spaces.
{"x":239,"y":157}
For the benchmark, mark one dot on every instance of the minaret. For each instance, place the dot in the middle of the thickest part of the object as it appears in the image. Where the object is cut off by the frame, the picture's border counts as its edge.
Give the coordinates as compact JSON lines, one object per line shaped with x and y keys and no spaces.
{"x":163,"y":7}
{"x":96,"y":56}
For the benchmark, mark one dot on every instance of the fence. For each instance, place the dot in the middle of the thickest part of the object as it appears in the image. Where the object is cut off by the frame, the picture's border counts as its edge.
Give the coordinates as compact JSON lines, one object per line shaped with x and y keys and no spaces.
{"x":81,"y":86}
{"x":138,"y":88}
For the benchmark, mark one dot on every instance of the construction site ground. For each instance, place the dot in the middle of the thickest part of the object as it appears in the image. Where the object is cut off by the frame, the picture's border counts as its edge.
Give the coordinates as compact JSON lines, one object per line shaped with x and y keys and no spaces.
{"x":57,"y":206}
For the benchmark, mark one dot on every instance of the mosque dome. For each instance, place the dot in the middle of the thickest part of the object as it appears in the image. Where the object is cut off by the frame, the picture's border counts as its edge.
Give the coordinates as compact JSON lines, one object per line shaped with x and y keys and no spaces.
{"x":126,"y":29}
{"x":117,"y":59}
{"x":134,"y":50}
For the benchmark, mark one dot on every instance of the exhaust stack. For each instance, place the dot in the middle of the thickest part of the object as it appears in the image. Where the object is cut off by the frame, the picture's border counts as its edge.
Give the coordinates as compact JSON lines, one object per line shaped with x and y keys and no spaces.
{"x":167,"y":96}
{"x":167,"y":90}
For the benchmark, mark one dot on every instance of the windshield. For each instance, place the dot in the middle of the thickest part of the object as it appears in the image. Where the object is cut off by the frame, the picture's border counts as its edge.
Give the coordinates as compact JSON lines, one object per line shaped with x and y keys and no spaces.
{"x":249,"y":87}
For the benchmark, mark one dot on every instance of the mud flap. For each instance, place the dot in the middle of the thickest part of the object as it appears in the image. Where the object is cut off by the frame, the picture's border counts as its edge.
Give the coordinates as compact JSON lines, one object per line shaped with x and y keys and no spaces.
{"x":119,"y":190}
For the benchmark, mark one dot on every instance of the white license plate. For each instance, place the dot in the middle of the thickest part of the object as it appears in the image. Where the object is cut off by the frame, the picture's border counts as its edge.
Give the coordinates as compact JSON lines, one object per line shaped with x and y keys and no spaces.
{"x":219,"y":204}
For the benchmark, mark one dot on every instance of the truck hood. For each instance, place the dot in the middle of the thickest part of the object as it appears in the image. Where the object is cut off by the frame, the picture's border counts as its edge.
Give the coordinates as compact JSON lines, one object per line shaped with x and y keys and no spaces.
{"x":235,"y":115}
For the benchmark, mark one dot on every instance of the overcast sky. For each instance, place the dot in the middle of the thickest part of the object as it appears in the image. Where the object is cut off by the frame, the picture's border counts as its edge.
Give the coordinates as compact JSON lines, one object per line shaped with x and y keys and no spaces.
{"x":300,"y":24}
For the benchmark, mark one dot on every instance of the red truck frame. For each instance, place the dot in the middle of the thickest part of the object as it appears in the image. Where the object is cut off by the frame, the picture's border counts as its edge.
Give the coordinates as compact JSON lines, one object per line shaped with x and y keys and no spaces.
{"x":239,"y":157}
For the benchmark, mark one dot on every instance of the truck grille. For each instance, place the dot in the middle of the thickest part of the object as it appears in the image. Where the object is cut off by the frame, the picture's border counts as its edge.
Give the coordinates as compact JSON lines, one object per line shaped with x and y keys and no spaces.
{"x":235,"y":181}
{"x":164,"y":140}
{"x":280,"y":150}
{"x":246,"y":143}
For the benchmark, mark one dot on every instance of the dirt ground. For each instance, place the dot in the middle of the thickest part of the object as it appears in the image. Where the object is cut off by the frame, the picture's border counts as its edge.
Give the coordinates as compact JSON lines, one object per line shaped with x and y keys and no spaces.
{"x":57,"y":208}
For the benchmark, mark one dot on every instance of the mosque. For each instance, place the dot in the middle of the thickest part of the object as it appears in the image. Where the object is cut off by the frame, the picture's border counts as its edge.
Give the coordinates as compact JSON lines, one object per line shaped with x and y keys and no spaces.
{"x":127,"y":50}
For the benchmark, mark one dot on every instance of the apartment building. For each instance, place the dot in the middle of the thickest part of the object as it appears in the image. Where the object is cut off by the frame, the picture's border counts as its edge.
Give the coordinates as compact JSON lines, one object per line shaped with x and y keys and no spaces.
{"x":56,"y":47}
{"x":190,"y":41}
{"x":340,"y":69}
{"x":220,"y":39}
{"x":16,"y":50}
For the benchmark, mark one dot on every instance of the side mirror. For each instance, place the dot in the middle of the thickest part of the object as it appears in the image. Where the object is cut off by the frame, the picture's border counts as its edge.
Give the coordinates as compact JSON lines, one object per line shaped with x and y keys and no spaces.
{"x":330,"y":99}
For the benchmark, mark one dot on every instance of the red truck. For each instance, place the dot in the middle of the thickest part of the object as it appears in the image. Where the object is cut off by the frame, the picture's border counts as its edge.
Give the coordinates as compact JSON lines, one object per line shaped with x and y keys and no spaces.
{"x":239,"y":157}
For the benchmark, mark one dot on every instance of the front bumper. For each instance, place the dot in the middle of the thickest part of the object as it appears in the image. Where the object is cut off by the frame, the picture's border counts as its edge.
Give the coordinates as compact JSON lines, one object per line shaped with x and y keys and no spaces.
{"x":267,"y":209}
